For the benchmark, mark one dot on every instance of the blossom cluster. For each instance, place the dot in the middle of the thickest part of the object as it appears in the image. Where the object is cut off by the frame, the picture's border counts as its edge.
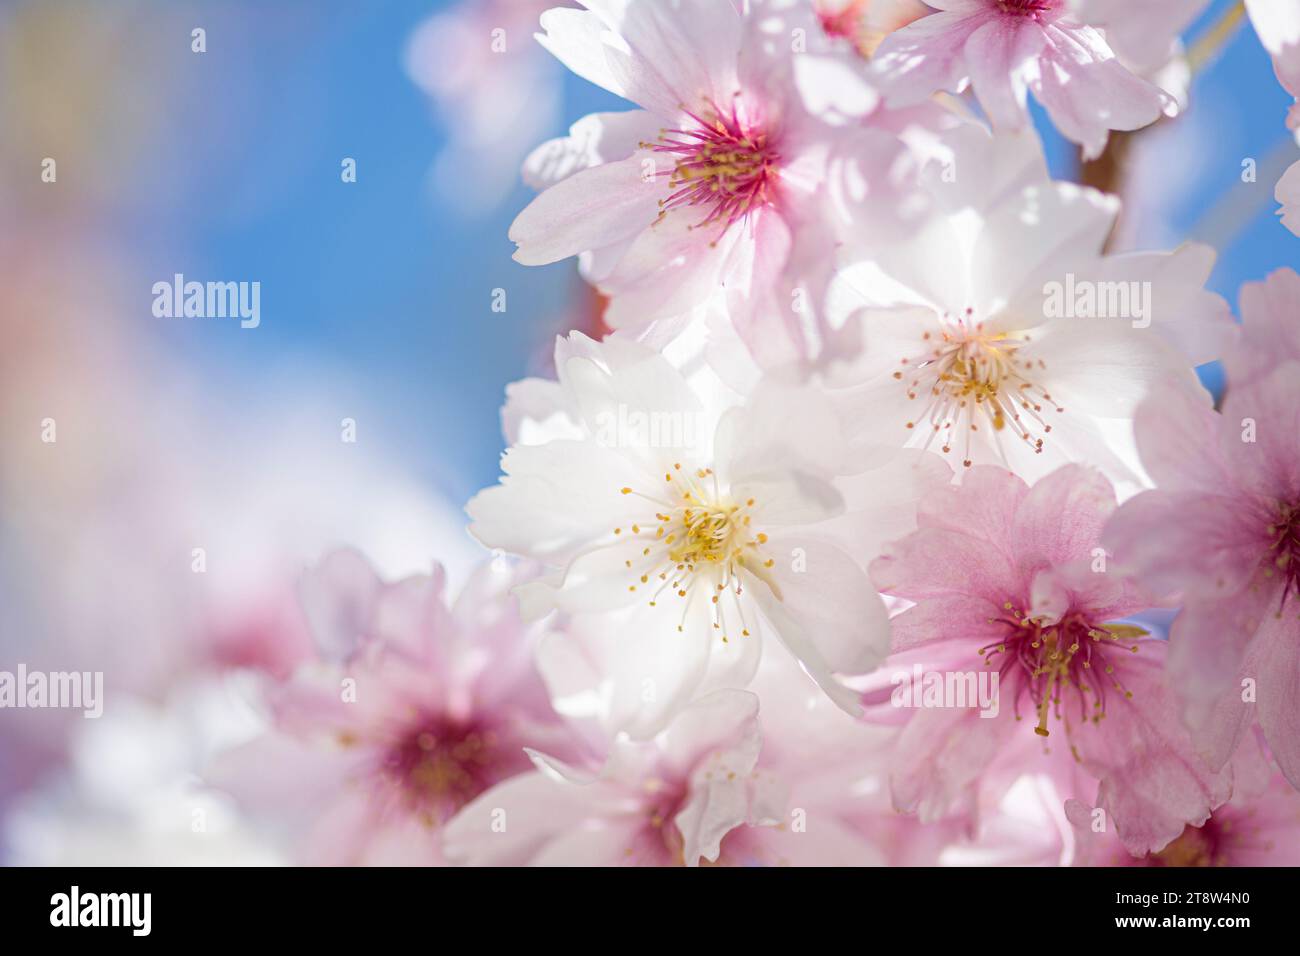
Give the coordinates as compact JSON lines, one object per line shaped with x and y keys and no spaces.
{"x":887,"y":523}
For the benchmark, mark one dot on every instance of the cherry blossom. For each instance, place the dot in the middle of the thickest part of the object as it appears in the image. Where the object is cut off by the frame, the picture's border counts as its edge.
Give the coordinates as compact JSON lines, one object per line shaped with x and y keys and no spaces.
{"x":1005,"y":49}
{"x":1012,"y":581}
{"x":1259,"y":826}
{"x":414,"y":707}
{"x":701,"y":519}
{"x":717,"y":186}
{"x":1226,"y":505}
{"x":1000,"y":332}
{"x":692,"y":794}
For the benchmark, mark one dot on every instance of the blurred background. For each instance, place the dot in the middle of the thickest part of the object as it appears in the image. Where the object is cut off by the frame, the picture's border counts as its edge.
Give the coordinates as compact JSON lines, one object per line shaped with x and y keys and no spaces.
{"x":163,"y":480}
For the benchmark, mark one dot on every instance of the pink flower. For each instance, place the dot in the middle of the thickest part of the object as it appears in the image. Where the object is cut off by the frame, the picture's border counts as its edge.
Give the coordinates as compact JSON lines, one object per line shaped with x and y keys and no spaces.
{"x":1223,"y":529}
{"x":704,"y":790}
{"x":1270,"y":334}
{"x":1259,"y":826}
{"x":715,"y":186}
{"x":1288,"y":194}
{"x":1011,"y":580}
{"x":1003,"y":49}
{"x":413,"y":710}
{"x":690,"y":794}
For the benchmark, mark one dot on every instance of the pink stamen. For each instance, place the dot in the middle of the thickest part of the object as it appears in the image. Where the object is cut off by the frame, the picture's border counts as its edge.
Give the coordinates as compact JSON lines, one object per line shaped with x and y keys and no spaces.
{"x":1026,"y":8}
{"x":724,"y":165}
{"x":1050,"y":662}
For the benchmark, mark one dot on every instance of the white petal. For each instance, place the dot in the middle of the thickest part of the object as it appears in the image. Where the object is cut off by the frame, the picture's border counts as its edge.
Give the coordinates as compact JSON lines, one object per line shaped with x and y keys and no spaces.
{"x":580,"y":41}
{"x":1035,"y":238}
{"x":828,"y":603}
{"x":553,"y":500}
{"x":592,"y":141}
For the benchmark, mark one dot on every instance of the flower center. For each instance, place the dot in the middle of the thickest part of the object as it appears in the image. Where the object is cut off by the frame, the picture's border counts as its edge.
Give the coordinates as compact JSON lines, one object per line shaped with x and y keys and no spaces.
{"x":1285,"y":534}
{"x":1025,"y":8}
{"x":964,"y":376}
{"x":1071,"y":657}
{"x":723,"y":164}
{"x":1195,"y":846}
{"x":697,"y":542}
{"x":438,"y":767}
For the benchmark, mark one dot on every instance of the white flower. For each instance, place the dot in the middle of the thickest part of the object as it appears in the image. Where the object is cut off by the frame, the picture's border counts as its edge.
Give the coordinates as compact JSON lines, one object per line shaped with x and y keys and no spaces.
{"x":700,"y":520}
{"x":1278,"y":24}
{"x":1001,"y":333}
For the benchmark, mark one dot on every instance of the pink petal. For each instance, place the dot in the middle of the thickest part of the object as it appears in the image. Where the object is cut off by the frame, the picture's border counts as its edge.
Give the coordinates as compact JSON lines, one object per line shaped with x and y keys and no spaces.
{"x":1153,"y":782}
{"x":1204,"y":544}
{"x":1270,"y":332}
{"x":590,"y":209}
{"x":925,"y":56}
{"x":1087,"y":92}
{"x":1278,"y":679}
{"x":997,"y":55}
{"x":1060,"y":520}
{"x":1209,"y":646}
{"x":1268,"y":466}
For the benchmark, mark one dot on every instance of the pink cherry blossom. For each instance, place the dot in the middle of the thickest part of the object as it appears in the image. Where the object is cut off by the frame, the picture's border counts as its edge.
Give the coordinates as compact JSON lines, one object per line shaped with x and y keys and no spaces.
{"x":1259,"y":826}
{"x":1270,"y":334}
{"x":716,"y":186}
{"x":799,"y":784}
{"x":691,"y":794}
{"x":1005,"y":49}
{"x":1223,"y":529}
{"x":414,"y":708}
{"x":1011,"y":580}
